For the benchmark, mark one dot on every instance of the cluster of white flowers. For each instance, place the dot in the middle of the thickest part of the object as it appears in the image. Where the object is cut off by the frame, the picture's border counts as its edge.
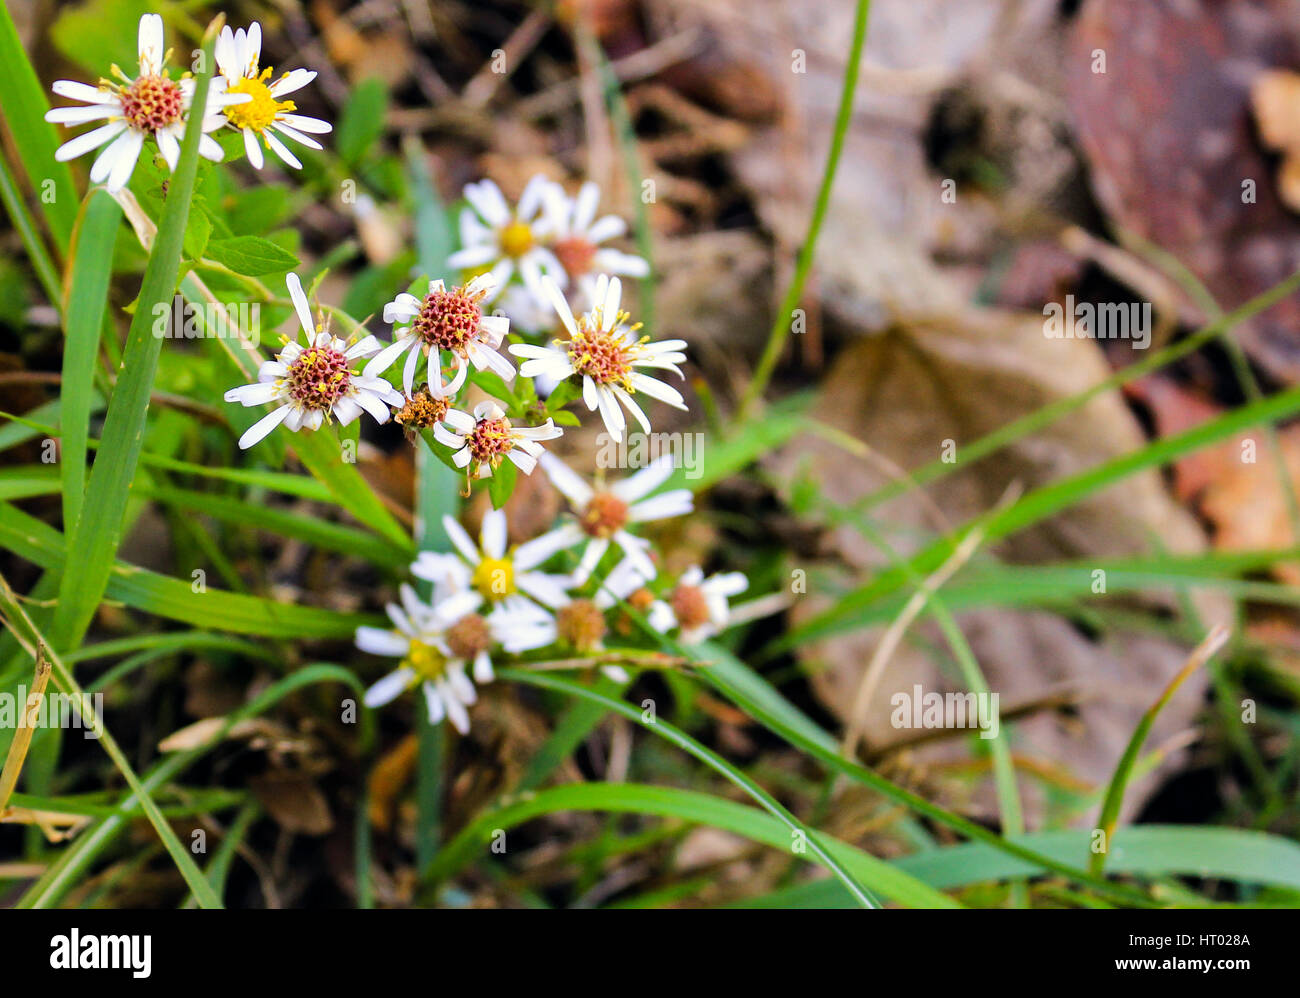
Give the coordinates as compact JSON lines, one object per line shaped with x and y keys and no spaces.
{"x":153,"y":105}
{"x":484,"y":597}
{"x":598,"y":350}
{"x":490,"y":596}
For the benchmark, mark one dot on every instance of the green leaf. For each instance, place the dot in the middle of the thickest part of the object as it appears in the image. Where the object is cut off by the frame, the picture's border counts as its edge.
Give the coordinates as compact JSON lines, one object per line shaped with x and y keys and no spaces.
{"x":252,"y":256}
{"x":24,"y":103}
{"x":362,"y":121}
{"x":197,"y":233}
{"x":502,"y":484}
{"x":91,"y":256}
{"x":98,"y":531}
{"x":176,"y":599}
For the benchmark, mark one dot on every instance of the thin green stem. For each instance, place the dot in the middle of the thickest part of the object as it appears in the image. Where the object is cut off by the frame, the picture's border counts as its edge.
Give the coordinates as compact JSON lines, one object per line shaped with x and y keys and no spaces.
{"x":781,"y":325}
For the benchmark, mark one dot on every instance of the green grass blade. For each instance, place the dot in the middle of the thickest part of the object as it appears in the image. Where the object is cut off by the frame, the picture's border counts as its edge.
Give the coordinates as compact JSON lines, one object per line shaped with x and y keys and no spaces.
{"x":91,"y":266}
{"x":62,"y":875}
{"x":175,"y":599}
{"x":685,"y":805}
{"x":1042,"y":503}
{"x":16,"y":616}
{"x":783,"y":321}
{"x":25,"y":225}
{"x":98,"y":530}
{"x":685,"y":742}
{"x":1110,"y":807}
{"x":23,"y":103}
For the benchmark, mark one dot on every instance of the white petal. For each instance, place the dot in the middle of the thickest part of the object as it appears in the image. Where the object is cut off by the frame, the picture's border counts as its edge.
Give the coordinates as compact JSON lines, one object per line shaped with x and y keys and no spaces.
{"x":532,"y":553}
{"x":609,"y":227}
{"x":433,"y":703}
{"x":488,"y":201}
{"x":646,"y":480}
{"x":389,"y":688}
{"x":304,"y":124}
{"x":80,"y":115}
{"x":568,"y":481}
{"x":657,"y":390}
{"x":461,"y":540}
{"x":253,"y":148}
{"x":84,"y":92}
{"x":89,"y":140}
{"x":169,"y":147}
{"x":279,"y":149}
{"x":296,"y":135}
{"x":678,"y":502}
{"x":549,"y":589}
{"x":151,"y":45}
{"x":263,"y":426}
{"x":300,"y":304}
{"x":290,"y":82}
{"x":560,"y":304}
{"x":456,"y":713}
{"x":131,"y":143}
{"x":492,"y":535}
{"x":378,"y":641}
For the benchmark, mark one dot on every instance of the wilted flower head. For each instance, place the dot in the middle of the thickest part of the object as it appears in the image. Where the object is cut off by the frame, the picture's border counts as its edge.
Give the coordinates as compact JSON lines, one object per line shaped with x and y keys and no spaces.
{"x":482,"y":441}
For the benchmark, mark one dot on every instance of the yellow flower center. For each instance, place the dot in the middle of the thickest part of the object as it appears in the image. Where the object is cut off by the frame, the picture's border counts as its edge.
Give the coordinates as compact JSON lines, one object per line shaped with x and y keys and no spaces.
{"x":494,"y":578}
{"x":516,"y":239}
{"x":425,"y":660}
{"x":262,"y":110}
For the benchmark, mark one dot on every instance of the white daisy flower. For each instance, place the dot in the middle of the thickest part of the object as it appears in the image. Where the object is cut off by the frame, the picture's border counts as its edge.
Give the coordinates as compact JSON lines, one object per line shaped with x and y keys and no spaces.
{"x":604,"y":351}
{"x":152,"y":105}
{"x":502,"y":241}
{"x":264,"y":112}
{"x":315,"y":382}
{"x":445,"y":320}
{"x":436,"y":643}
{"x":605,"y":513}
{"x":505,"y":578}
{"x":698,"y":606}
{"x":482,"y":441}
{"x":576,"y":234}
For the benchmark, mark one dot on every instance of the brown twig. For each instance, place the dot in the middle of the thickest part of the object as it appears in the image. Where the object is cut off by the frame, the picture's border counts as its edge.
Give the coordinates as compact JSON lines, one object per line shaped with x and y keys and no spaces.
{"x":23,"y":734}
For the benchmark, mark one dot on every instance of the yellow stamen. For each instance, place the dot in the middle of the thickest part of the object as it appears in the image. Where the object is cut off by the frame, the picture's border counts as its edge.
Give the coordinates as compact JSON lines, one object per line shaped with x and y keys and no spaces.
{"x":262,"y":110}
{"x":494,"y":578}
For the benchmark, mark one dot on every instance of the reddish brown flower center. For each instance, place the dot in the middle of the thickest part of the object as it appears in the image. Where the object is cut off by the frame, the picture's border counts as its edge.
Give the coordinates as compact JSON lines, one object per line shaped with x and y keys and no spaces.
{"x":690,"y":606}
{"x":449,"y":319}
{"x":600,"y":355}
{"x":469,"y":636}
{"x":151,"y":103}
{"x":490,"y":441}
{"x":581,"y":625}
{"x":604,"y":516}
{"x":575,"y":254}
{"x":318,"y":377}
